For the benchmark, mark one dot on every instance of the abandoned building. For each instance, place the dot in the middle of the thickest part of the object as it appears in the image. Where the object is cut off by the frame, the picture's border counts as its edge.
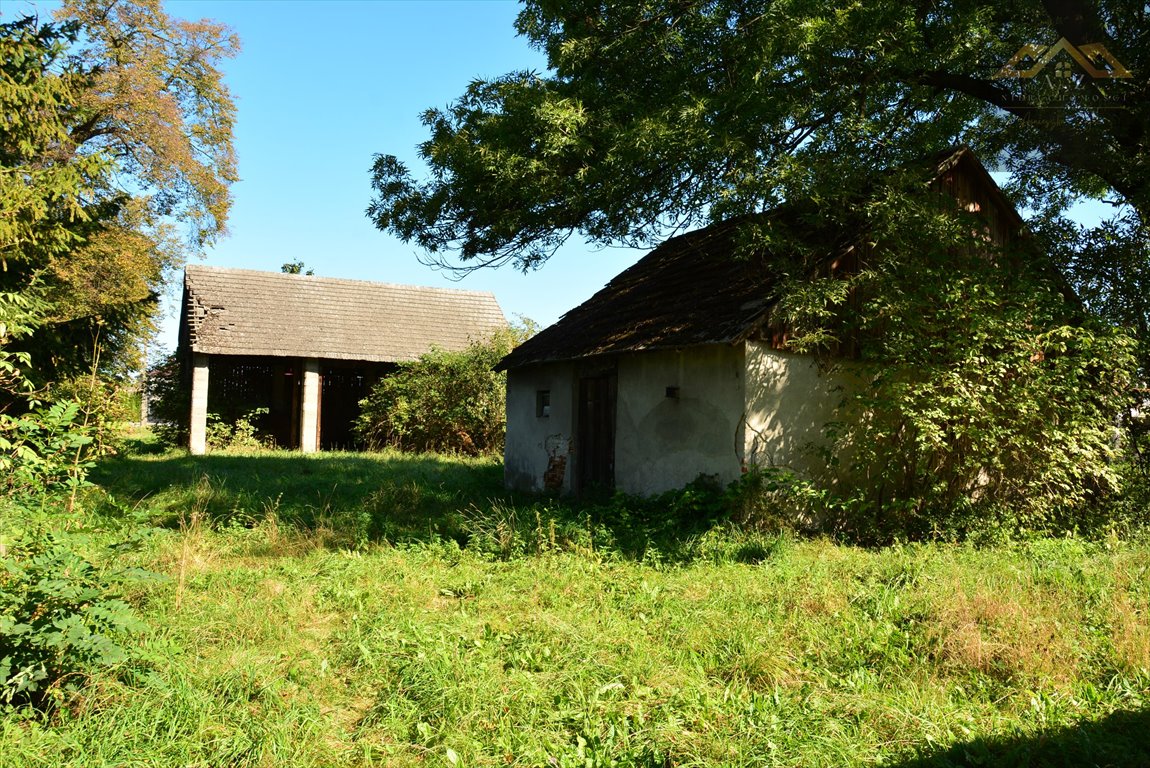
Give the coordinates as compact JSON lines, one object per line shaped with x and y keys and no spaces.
{"x":674,"y":369}
{"x":302,"y":351}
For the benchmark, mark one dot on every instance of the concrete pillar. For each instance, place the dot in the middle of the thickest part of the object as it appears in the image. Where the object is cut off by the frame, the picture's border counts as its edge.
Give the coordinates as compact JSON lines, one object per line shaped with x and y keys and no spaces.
{"x":309,"y":407}
{"x":198,"y":426}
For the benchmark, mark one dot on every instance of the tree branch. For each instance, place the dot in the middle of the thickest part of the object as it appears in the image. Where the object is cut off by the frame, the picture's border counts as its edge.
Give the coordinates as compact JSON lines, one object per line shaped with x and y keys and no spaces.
{"x":1077,"y":21}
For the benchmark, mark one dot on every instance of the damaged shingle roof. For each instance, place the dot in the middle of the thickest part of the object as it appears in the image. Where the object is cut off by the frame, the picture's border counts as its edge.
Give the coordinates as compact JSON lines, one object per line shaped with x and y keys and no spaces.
{"x":245,"y":312}
{"x":690,"y":290}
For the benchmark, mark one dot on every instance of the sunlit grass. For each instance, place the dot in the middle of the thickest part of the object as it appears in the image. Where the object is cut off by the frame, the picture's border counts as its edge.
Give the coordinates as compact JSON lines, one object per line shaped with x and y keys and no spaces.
{"x":366,"y":610}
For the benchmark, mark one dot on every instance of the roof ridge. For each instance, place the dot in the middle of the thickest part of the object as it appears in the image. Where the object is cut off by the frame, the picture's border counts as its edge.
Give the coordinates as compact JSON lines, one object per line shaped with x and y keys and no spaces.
{"x":327,"y":279}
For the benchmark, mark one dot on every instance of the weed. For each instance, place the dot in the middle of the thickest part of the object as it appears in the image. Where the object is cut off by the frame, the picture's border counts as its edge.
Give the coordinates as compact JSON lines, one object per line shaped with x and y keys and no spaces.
{"x":62,"y":618}
{"x":243,"y":434}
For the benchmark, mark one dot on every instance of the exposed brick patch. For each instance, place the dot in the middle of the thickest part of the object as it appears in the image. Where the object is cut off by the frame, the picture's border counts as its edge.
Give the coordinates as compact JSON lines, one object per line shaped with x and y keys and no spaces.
{"x":556,"y":469}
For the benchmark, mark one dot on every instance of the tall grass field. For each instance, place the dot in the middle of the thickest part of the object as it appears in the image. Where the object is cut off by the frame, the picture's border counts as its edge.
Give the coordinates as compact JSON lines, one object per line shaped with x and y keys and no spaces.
{"x":391,"y":610}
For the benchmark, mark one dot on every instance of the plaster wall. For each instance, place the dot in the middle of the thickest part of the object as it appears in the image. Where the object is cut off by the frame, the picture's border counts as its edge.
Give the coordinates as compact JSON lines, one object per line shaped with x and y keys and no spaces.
{"x":788,"y":403}
{"x":664,"y":442}
{"x":198,"y":424}
{"x":309,"y":407}
{"x":538,"y":454}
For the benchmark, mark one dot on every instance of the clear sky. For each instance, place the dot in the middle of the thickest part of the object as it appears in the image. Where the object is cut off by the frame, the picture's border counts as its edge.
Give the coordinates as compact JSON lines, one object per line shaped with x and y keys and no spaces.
{"x":320,"y":88}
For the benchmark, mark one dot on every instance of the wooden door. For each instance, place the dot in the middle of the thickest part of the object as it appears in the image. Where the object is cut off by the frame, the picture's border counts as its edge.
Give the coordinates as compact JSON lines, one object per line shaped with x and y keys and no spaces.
{"x":595,"y":446}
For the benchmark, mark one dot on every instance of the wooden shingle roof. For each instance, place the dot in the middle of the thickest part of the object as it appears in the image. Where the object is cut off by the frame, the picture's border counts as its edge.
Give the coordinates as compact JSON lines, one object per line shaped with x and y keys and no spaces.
{"x":688,"y":291}
{"x":245,"y":312}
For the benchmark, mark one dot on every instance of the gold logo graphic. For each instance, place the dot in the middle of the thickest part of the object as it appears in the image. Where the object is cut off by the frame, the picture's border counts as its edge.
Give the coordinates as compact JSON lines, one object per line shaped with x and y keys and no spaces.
{"x":1087,"y":56}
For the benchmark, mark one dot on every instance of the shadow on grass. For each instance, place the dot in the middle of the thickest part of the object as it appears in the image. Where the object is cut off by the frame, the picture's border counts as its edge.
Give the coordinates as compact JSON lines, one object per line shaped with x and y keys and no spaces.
{"x":399,"y":497}
{"x":350,"y":492}
{"x":1120,"y":740}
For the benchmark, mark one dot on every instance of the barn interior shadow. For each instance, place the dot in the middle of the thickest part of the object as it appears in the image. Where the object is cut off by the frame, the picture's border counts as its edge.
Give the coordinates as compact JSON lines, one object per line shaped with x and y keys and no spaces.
{"x":1119,"y":740}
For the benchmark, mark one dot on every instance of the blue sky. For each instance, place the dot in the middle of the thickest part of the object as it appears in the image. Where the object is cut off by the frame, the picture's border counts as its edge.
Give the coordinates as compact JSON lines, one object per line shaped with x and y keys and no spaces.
{"x":320,"y":88}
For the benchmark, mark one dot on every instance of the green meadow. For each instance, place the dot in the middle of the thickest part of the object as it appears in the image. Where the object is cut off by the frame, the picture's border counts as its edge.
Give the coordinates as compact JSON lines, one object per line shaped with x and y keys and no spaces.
{"x":391,"y":610}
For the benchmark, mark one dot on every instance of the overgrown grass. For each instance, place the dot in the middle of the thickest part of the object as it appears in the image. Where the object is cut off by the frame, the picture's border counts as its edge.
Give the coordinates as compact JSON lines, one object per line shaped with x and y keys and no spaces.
{"x":305,"y":489}
{"x":396,"y":498}
{"x":390,"y":610}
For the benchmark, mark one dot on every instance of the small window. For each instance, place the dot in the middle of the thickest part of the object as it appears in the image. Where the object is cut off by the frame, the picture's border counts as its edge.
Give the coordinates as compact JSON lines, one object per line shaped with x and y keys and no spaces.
{"x":543,"y":403}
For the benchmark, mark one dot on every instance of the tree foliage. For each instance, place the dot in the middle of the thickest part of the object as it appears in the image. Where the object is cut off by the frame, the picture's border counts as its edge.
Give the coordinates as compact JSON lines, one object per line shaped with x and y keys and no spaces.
{"x":657,"y":112}
{"x":986,"y":383}
{"x":155,"y":102}
{"x":447,"y":402}
{"x":44,"y":200}
{"x":655,"y":115}
{"x":116,"y":153}
{"x":296,"y":267}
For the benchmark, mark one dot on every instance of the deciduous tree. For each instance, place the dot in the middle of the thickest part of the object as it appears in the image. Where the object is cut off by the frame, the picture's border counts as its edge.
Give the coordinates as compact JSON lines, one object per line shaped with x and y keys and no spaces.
{"x":655,"y":115}
{"x":116,"y":159}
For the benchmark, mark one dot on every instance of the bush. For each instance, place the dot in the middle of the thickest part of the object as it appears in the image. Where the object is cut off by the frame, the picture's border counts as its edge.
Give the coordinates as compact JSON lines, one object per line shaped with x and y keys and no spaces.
{"x":106,"y":404}
{"x":447,"y":402}
{"x":1127,"y":513}
{"x":61,"y":617}
{"x":982,"y":396}
{"x":44,"y":453}
{"x":774,"y":500}
{"x":241,"y":434}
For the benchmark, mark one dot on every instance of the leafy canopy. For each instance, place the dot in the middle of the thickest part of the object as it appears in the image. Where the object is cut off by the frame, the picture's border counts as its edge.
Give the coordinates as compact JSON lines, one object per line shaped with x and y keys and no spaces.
{"x":115,"y":161}
{"x":655,"y":115}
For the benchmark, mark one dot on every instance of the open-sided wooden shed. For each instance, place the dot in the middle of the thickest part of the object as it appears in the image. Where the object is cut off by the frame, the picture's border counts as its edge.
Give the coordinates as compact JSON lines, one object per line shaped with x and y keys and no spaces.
{"x":309,"y":348}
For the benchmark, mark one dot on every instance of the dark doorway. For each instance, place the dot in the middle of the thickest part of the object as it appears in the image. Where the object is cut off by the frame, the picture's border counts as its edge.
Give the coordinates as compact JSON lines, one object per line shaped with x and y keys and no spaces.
{"x":595,"y":448}
{"x":262,"y":390}
{"x":342,"y":386}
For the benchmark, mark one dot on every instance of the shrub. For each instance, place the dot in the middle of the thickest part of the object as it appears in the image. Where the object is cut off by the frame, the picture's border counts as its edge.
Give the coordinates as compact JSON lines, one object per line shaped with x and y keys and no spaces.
{"x":983,"y":396}
{"x":1008,"y":423}
{"x":43,"y":449}
{"x":44,"y":452}
{"x":449,"y":402}
{"x":105,"y":405}
{"x":1127,"y":513}
{"x":61,"y":618}
{"x":241,"y":434}
{"x":774,"y":500}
